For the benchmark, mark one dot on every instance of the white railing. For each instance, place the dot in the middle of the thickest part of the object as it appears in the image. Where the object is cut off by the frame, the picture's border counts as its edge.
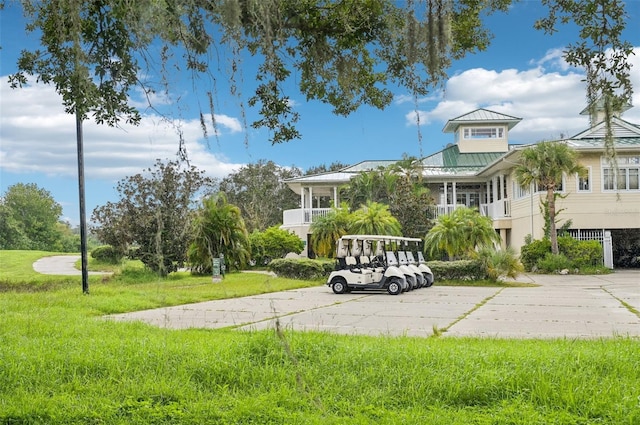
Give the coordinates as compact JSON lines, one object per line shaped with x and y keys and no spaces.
{"x":497,"y":210}
{"x":303,"y":215}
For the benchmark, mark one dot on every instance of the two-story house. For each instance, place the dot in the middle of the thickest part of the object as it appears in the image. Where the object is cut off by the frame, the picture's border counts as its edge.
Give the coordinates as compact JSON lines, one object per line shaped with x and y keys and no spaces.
{"x":476,"y":170}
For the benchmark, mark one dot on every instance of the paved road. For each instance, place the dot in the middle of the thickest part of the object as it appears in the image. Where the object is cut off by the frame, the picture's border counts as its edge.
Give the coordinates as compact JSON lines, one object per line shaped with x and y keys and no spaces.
{"x":562,"y":306}
{"x":60,"y":265}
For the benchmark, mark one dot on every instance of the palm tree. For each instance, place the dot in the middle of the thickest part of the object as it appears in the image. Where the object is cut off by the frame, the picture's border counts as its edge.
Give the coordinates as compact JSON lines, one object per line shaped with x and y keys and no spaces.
{"x":219,"y":229}
{"x":543,"y":165}
{"x":374,"y":219}
{"x":461,"y":232}
{"x":326,"y":230}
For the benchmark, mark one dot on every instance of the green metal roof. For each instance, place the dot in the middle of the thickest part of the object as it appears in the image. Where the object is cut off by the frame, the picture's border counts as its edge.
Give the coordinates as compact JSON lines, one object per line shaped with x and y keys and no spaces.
{"x":451,"y":159}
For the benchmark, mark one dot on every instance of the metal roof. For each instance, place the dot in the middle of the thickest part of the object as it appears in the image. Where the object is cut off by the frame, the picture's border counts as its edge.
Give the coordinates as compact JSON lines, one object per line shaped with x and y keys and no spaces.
{"x":451,"y":160}
{"x":481,"y":116}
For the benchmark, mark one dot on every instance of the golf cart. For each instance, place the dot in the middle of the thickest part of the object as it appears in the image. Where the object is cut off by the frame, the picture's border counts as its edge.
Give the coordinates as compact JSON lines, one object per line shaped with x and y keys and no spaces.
{"x":420,"y":263}
{"x":359,"y":268}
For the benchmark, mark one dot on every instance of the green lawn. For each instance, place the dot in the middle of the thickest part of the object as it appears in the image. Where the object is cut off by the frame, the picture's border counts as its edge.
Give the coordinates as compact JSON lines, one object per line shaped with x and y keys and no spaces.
{"x":60,"y":363}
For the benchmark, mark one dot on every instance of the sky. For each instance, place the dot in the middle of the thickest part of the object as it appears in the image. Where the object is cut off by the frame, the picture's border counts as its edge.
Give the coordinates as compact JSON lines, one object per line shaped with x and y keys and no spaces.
{"x":522,"y":74}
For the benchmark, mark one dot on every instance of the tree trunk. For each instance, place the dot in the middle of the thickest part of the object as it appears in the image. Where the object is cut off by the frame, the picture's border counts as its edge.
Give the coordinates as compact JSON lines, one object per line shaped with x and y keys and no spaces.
{"x":551,"y":204}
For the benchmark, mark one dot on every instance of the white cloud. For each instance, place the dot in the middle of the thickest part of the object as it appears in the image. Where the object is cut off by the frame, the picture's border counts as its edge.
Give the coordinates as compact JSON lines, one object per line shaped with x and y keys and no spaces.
{"x":38,"y":136}
{"x":549,"y":103}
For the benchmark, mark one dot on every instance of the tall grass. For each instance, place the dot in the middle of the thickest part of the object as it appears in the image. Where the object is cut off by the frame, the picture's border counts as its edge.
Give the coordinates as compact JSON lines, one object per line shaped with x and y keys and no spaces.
{"x":61,"y":363}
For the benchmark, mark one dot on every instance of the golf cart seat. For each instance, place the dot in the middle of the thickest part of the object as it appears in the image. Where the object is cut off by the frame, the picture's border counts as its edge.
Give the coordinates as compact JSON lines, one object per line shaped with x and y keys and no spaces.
{"x":342,"y":252}
{"x":353,"y":266}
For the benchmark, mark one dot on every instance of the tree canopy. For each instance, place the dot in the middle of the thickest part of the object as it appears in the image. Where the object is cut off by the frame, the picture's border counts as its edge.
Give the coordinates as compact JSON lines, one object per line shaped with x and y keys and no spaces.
{"x":29,"y":219}
{"x":344,"y":53}
{"x":154,"y":214}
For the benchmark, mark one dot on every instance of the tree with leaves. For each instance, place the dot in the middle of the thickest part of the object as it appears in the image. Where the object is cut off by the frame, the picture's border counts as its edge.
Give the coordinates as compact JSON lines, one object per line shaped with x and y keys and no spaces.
{"x":29,"y":218}
{"x":459,"y":233}
{"x":542,"y":166}
{"x":154,"y":214}
{"x":343,"y":53}
{"x":374,"y":218}
{"x":218,"y":229}
{"x":260,"y":193}
{"x":326,"y":230}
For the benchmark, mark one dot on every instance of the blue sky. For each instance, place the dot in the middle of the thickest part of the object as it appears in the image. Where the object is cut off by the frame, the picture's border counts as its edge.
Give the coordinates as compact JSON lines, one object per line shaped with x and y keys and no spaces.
{"x":521,"y":74}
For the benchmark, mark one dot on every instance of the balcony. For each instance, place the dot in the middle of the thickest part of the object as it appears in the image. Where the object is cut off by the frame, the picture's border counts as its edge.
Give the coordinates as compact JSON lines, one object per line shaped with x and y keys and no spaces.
{"x":496,"y":210}
{"x":302,"y":216}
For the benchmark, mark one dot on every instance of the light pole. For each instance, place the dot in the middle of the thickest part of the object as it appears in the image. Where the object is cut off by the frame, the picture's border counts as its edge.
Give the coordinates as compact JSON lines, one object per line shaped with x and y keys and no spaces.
{"x":83,"y":217}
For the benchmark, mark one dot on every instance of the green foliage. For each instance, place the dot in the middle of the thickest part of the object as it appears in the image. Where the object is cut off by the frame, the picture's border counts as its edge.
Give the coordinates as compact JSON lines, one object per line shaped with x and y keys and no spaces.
{"x":500,"y":263}
{"x":581,"y":253}
{"x":260,"y":193}
{"x":154,"y":213}
{"x":326,"y":230}
{"x":543,"y":165}
{"x":29,"y":219}
{"x":460,"y":233}
{"x":458,"y":270}
{"x":532,"y":252}
{"x":107,"y":254}
{"x":574,"y":254}
{"x":374,"y":219}
{"x":302,"y":268}
{"x":553,"y":263}
{"x":273,"y":243}
{"x":218,"y":229}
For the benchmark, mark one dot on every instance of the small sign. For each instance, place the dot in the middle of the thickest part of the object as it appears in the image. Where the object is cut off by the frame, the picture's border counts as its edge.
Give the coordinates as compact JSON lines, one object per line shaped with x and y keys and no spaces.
{"x":217,"y":277}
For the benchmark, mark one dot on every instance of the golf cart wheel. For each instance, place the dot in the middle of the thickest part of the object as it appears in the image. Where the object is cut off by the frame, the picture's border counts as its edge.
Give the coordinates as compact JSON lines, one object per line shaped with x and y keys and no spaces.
{"x":394,"y":287}
{"x":429,"y":283}
{"x":339,"y":286}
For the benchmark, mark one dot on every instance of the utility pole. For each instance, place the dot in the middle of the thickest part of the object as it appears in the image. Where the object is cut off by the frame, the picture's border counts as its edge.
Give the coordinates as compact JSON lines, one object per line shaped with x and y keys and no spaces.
{"x":83,"y":216}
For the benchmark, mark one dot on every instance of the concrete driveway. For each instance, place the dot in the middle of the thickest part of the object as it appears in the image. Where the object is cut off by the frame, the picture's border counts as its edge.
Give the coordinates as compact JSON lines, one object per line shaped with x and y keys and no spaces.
{"x":562,"y":306}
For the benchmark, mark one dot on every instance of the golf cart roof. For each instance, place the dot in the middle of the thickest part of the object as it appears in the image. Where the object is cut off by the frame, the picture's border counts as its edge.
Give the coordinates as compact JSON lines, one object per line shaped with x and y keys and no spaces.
{"x":380,"y":238}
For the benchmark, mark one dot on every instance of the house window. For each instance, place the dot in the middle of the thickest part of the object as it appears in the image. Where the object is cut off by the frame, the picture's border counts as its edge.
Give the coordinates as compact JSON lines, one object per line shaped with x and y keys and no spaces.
{"x":584,"y":183}
{"x":520,"y":191}
{"x":484,"y":133}
{"x":626,"y":177}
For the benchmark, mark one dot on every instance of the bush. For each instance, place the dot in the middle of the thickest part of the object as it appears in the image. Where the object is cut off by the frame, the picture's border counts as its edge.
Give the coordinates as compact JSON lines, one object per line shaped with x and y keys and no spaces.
{"x":502,"y":263}
{"x":553,"y":263}
{"x":581,"y":253}
{"x":577,"y":254}
{"x":302,"y":268}
{"x":534,"y":251}
{"x":273,"y":243}
{"x":107,"y":254}
{"x":458,"y":270}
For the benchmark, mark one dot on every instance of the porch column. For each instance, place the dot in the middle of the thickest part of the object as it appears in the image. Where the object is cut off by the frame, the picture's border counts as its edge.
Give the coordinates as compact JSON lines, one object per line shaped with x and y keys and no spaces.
{"x":302,"y":197}
{"x":488,"y":197}
{"x":454,"y":195}
{"x":495,"y":196}
{"x":503,"y":239}
{"x":335,"y":197}
{"x":446,"y":200}
{"x":310,"y":197}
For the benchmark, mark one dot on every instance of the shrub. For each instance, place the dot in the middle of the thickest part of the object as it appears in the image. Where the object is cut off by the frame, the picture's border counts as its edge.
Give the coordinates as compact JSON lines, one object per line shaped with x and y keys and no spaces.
{"x":553,"y":263}
{"x":502,"y":263}
{"x":534,"y":251}
{"x":578,"y":254}
{"x":302,"y":268}
{"x":458,"y":270}
{"x":581,"y":253}
{"x":273,"y":243}
{"x":107,"y":254}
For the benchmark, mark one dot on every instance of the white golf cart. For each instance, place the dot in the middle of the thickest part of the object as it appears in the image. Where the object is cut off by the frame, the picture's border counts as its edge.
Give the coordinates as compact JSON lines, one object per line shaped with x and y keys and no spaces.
{"x":413,"y":246}
{"x":359,"y":268}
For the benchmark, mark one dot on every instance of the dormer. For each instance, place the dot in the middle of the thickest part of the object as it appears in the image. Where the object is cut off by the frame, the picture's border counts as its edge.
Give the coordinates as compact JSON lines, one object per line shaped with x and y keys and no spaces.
{"x":481,"y":131}
{"x":597,"y":112}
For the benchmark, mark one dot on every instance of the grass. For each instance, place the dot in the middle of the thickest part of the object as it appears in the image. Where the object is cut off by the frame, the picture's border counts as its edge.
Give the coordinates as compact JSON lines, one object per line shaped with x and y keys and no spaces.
{"x":61,"y":364}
